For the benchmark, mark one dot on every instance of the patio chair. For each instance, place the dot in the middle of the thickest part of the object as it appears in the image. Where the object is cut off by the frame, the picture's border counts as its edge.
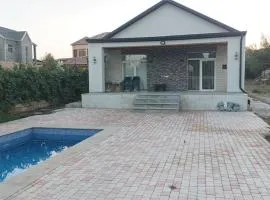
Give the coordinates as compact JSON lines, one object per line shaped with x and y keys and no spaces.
{"x":136,"y":82}
{"x":126,"y":84}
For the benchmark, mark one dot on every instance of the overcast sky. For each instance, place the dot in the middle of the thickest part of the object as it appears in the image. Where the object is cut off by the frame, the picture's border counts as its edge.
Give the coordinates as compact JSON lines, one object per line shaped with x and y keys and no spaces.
{"x":54,"y":24}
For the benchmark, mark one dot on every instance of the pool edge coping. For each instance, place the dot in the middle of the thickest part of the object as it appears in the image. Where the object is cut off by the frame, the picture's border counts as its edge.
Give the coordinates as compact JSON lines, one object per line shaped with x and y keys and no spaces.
{"x":26,"y":179}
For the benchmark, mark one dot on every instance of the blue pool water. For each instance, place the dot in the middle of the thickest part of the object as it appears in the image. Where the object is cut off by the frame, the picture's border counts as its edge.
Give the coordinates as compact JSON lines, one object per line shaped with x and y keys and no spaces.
{"x":23,"y":149}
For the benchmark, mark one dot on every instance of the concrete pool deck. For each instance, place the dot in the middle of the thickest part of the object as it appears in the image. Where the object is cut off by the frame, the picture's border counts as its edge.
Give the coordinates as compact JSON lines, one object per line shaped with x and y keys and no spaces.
{"x":151,"y":155}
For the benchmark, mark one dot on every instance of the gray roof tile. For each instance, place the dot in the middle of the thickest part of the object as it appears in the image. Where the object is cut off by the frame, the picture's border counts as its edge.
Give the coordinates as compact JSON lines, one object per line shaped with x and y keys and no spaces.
{"x":12,"y":34}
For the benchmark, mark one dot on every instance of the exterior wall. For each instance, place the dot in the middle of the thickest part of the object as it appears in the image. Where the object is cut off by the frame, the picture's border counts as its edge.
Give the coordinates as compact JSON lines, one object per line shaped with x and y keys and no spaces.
{"x":108,"y":100}
{"x":221,"y":74}
{"x":24,"y":57}
{"x":79,"y":47}
{"x":169,"y":20}
{"x":233,"y":65}
{"x":113,"y":68}
{"x":96,"y":68}
{"x":168,"y":66}
{"x":188,"y":100}
{"x":14,"y":55}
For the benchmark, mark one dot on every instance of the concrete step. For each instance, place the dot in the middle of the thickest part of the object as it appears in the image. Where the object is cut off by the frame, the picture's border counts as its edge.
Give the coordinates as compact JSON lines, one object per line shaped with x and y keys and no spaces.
{"x":149,"y":103}
{"x":143,"y":108}
{"x":156,"y":101}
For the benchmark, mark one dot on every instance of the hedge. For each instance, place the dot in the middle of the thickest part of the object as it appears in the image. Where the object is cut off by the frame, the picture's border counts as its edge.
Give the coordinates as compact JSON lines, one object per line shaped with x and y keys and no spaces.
{"x":57,"y":85}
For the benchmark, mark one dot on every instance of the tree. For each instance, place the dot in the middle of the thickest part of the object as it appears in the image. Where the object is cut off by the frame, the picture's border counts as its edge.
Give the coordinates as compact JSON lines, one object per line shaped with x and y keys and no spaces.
{"x":49,"y":61}
{"x":258,"y":59}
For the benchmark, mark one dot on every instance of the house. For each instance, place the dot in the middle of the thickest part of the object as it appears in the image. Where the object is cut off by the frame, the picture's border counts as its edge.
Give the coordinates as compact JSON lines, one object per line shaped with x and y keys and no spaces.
{"x":79,"y":52}
{"x":16,"y":47}
{"x":191,"y":57}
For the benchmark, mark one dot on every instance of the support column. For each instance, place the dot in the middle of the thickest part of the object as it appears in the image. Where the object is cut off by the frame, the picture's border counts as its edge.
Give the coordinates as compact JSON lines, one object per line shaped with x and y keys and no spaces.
{"x":96,"y":68}
{"x":233,"y":62}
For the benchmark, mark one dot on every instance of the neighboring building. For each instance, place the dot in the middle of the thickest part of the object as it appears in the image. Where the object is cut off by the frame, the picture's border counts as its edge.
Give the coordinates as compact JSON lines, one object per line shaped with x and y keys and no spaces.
{"x":169,"y":47}
{"x":79,"y":53}
{"x":80,"y":48}
{"x":16,"y":47}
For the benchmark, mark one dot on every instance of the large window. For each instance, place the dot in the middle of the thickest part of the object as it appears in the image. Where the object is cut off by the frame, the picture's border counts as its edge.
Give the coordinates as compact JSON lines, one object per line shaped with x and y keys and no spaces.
{"x":201,"y":74}
{"x":74,"y":53}
{"x":132,"y":64}
{"x":82,"y":52}
{"x":136,"y":65}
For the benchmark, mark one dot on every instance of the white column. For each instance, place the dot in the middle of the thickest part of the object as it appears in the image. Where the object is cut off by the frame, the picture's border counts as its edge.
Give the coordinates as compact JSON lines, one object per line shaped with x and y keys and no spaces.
{"x":96,"y":68}
{"x":243,"y":61}
{"x":233,"y":62}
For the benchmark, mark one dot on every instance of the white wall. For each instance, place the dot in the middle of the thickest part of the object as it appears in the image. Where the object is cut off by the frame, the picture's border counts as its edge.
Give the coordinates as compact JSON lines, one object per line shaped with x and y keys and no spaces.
{"x":221,"y":74}
{"x":169,"y":20}
{"x":233,"y":65}
{"x":96,"y":70}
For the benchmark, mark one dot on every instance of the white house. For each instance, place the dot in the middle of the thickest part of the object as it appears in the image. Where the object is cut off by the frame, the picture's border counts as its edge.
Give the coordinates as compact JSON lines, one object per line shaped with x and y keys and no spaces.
{"x":177,"y":53}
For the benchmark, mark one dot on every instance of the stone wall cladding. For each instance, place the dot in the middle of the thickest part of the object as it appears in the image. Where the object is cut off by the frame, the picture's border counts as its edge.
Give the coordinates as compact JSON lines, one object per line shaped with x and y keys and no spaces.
{"x":167,"y":66}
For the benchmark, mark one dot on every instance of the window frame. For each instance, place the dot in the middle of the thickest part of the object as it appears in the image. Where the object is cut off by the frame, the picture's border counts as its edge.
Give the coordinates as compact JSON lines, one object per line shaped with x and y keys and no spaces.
{"x":10,"y":48}
{"x":201,"y":60}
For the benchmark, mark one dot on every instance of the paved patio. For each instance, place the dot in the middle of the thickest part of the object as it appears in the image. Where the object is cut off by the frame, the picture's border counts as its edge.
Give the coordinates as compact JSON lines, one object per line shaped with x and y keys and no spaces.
{"x":186,"y":155}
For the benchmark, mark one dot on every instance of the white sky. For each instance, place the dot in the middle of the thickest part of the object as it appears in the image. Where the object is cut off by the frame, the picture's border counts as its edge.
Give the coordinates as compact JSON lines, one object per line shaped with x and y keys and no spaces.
{"x":54,"y":24}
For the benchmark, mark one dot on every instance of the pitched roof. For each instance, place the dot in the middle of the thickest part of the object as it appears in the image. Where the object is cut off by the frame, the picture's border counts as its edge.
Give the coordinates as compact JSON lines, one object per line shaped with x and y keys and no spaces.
{"x":178,"y":5}
{"x":100,"y":36}
{"x":83,"y":41}
{"x":80,"y":41}
{"x":12,"y":34}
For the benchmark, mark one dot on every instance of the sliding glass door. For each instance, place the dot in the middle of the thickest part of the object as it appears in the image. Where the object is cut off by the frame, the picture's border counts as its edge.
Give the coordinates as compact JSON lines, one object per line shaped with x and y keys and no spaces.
{"x":201,"y":74}
{"x":208,"y":75}
{"x":194,"y":75}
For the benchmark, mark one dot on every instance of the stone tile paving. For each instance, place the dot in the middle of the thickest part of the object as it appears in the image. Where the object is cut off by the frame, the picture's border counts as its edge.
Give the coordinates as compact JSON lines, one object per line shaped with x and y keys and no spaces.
{"x":186,"y":155}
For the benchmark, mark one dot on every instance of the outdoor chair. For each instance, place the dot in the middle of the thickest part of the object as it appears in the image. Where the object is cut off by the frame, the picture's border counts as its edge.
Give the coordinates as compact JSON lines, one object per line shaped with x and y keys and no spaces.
{"x":126,"y":84}
{"x":136,"y":83}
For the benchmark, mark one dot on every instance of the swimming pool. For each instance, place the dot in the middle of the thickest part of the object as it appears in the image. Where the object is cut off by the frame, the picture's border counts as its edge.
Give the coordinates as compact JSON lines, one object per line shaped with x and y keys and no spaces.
{"x":23,"y":149}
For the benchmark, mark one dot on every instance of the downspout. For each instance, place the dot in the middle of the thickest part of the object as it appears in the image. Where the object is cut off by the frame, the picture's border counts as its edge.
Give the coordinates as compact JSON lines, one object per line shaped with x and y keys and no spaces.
{"x":240,"y":64}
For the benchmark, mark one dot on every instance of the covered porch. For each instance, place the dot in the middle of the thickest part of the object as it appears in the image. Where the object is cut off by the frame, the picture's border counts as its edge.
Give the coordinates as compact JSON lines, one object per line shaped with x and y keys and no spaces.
{"x":202,"y":71}
{"x":172,"y":68}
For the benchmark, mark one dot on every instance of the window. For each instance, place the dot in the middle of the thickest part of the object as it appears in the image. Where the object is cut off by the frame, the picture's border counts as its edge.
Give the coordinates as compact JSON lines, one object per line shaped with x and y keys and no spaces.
{"x":10,"y":48}
{"x":82,"y":52}
{"x":201,"y":74}
{"x":74,"y":53}
{"x":132,"y":64}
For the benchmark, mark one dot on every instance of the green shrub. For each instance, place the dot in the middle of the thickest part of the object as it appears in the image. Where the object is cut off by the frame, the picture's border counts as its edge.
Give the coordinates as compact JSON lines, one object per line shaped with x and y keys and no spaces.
{"x":57,"y":85}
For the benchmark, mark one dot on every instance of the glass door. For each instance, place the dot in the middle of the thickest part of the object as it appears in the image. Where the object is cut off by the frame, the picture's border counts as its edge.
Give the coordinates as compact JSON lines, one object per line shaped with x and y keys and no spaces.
{"x":208,"y":75}
{"x":201,"y":74}
{"x":194,"y":74}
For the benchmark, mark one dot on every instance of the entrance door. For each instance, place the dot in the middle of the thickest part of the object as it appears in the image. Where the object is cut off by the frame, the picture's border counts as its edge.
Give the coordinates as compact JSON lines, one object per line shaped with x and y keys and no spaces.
{"x":201,"y":74}
{"x":208,"y":75}
{"x":194,"y":75}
